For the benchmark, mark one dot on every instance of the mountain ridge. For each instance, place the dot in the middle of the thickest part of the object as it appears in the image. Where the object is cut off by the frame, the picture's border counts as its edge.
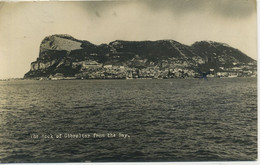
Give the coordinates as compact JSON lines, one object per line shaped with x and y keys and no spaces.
{"x":65,"y":55}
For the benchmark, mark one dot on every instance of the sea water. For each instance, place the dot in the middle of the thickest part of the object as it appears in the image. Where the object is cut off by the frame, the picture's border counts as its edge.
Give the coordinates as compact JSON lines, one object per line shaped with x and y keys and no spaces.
{"x":128,"y":120}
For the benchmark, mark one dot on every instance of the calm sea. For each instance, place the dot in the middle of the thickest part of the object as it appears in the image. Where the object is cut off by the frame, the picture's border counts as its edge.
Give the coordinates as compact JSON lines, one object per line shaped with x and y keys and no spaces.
{"x":128,"y":120}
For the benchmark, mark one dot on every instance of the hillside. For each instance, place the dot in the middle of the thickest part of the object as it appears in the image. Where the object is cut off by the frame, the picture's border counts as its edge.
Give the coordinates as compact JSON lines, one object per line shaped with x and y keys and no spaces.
{"x":64,"y":56}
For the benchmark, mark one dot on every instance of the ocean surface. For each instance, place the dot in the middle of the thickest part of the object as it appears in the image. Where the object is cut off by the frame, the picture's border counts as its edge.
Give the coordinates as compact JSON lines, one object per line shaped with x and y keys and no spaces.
{"x":128,"y":120}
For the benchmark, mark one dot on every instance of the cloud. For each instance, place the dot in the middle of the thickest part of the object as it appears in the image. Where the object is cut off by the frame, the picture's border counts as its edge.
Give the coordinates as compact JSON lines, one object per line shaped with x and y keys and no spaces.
{"x":234,"y":8}
{"x":94,"y":7}
{"x":228,"y":21}
{"x":224,"y":8}
{"x":1,"y":4}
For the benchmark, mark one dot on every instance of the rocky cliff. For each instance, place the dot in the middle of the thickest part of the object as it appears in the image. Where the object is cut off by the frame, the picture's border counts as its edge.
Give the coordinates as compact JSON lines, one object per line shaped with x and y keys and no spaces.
{"x":65,"y":56}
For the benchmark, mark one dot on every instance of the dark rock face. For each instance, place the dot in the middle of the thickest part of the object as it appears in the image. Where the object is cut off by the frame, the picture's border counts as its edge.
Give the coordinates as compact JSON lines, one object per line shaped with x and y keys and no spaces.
{"x":67,"y":56}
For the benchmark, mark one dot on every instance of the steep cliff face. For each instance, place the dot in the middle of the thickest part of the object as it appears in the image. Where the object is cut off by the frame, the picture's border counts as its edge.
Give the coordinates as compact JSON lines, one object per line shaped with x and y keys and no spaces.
{"x":60,"y":42}
{"x":70,"y":57}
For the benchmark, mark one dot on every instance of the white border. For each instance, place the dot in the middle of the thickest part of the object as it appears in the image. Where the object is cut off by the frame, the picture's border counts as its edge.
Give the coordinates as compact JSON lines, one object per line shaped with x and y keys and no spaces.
{"x":257,"y":162}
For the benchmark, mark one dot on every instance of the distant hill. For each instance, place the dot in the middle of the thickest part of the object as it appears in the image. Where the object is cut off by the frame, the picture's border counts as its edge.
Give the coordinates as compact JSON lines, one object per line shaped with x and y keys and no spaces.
{"x":62,"y":55}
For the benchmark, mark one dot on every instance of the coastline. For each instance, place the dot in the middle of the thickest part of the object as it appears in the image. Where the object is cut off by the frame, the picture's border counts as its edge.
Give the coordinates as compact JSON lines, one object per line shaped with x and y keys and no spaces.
{"x":79,"y":79}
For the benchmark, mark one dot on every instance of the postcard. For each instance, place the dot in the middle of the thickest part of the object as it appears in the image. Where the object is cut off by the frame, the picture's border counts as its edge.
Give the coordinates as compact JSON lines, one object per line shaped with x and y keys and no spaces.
{"x":128,"y":81}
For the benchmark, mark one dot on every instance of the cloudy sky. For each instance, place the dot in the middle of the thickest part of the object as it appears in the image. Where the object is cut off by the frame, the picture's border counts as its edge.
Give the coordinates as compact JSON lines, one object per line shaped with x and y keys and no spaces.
{"x":23,"y":25}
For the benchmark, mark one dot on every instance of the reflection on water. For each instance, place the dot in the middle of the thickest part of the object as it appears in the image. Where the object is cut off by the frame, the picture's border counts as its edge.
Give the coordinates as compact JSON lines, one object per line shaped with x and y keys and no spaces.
{"x":166,"y":120}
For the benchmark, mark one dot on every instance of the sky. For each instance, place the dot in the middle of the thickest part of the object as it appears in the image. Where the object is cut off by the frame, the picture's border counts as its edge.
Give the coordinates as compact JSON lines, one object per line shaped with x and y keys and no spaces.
{"x":23,"y":25}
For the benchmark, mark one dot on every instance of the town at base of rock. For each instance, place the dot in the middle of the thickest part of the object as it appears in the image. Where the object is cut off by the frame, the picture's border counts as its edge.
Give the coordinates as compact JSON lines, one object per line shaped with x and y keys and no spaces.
{"x":64,"y":57}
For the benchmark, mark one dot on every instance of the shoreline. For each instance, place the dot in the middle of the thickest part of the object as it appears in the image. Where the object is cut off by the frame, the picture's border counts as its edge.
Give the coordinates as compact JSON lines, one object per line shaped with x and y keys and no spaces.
{"x":77,"y":79}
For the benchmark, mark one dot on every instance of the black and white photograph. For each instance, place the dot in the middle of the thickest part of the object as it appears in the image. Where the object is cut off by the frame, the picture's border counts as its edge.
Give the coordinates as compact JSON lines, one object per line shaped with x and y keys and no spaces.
{"x":128,"y":81}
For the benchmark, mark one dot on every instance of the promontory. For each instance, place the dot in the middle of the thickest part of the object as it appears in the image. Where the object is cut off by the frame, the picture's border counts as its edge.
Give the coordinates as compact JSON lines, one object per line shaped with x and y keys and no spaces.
{"x":65,"y":57}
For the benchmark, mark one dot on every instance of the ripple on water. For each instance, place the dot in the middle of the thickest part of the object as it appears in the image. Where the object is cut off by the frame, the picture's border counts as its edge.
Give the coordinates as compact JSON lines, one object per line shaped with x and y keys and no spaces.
{"x":167,"y":120}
